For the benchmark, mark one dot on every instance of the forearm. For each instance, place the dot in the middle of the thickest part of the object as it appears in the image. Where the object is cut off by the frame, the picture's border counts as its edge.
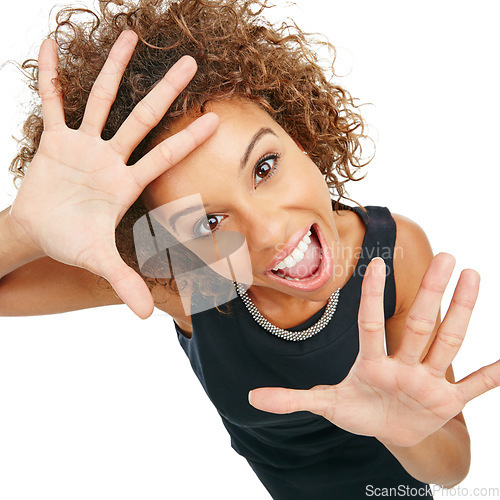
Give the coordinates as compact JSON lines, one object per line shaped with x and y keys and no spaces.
{"x":14,"y":250}
{"x":442,"y":458}
{"x":34,"y":284}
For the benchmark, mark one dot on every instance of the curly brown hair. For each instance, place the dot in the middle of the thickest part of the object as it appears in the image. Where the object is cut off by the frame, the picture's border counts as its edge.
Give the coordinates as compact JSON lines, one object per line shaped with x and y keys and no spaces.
{"x":239,"y":54}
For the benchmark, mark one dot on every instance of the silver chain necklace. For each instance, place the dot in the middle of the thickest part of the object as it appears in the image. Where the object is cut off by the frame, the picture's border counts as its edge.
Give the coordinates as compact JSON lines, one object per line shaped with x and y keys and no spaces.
{"x":286,"y":334}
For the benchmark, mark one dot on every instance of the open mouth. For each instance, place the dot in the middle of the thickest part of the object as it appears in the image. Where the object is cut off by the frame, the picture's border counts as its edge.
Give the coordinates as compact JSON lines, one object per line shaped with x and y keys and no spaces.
{"x":308,"y":266}
{"x":304,"y":261}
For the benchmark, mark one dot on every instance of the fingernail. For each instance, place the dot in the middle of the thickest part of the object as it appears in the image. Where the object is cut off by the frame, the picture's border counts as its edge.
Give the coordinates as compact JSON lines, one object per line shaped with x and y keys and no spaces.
{"x":186,"y":61}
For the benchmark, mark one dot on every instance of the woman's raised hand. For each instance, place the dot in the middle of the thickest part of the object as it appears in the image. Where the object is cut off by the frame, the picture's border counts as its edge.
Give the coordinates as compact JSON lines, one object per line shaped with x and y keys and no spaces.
{"x":398,"y":399}
{"x":78,"y":186}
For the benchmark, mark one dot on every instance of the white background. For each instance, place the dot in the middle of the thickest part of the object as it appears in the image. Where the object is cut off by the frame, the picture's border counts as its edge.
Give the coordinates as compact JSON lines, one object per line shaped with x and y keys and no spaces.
{"x":99,"y":404}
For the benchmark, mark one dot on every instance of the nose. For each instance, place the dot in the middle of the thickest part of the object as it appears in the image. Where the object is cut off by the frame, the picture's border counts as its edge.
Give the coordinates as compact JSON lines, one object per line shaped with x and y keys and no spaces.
{"x":264,"y":226}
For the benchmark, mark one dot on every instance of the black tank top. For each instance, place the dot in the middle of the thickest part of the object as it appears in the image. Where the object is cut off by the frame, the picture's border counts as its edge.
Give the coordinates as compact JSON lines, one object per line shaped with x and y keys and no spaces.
{"x":301,"y":455}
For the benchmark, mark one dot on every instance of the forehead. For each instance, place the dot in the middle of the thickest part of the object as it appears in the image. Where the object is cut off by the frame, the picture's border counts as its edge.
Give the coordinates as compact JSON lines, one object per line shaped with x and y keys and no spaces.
{"x":219,"y":156}
{"x":233,"y":113}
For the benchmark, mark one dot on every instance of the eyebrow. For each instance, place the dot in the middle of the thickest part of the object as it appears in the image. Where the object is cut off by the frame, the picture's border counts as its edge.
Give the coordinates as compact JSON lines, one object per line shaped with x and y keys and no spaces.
{"x":257,"y":136}
{"x":185,"y":211}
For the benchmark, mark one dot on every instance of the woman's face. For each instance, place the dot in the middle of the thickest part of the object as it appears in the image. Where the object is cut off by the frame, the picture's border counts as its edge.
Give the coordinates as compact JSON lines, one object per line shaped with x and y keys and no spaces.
{"x":255,"y":180}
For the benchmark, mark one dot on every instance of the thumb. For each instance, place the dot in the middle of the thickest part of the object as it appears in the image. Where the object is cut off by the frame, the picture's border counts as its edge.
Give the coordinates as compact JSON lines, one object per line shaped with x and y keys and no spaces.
{"x":129,"y":286}
{"x":280,"y":400}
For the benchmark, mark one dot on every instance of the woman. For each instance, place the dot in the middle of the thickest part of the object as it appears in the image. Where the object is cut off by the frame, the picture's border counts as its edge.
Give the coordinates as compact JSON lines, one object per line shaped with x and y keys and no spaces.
{"x":237,"y":117}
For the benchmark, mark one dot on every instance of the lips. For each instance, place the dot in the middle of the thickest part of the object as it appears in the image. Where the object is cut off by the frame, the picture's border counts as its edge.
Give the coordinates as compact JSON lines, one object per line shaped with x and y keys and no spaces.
{"x":319,"y":277}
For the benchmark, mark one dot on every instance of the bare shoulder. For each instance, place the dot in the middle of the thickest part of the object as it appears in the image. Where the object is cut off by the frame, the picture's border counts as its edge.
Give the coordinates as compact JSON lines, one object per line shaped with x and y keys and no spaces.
{"x":412,"y":256}
{"x":412,"y":252}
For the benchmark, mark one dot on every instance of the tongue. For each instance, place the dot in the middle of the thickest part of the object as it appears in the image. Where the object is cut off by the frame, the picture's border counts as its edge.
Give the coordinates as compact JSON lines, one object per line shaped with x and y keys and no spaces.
{"x":309,"y":264}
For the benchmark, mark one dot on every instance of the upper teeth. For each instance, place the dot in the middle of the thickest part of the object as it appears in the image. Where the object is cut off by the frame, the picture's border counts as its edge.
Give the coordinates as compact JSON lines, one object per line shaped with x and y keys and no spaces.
{"x":297,"y":255}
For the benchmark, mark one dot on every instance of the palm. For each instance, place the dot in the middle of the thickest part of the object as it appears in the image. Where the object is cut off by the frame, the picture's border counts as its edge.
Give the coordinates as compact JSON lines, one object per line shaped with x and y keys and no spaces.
{"x":78,"y":186}
{"x":93,"y":191}
{"x":379,"y":399}
{"x":398,"y":399}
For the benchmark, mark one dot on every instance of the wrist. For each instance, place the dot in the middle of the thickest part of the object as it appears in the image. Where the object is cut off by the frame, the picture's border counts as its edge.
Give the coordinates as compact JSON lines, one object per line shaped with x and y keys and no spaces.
{"x":17,"y":247}
{"x":441,"y":458}
{"x":399,"y":442}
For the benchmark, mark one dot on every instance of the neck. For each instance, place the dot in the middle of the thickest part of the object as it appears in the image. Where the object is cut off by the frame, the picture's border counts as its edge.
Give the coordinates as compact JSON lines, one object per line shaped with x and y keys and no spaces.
{"x":269,"y":296}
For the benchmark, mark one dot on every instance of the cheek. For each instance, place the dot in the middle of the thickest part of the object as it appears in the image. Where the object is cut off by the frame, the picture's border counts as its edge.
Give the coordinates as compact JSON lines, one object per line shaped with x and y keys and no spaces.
{"x":315,"y":180}
{"x":233,"y":258}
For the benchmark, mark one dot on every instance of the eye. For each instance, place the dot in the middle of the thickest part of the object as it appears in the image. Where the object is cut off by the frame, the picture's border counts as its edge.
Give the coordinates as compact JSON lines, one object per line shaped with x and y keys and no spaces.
{"x":207,"y":225}
{"x":265,"y":168}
